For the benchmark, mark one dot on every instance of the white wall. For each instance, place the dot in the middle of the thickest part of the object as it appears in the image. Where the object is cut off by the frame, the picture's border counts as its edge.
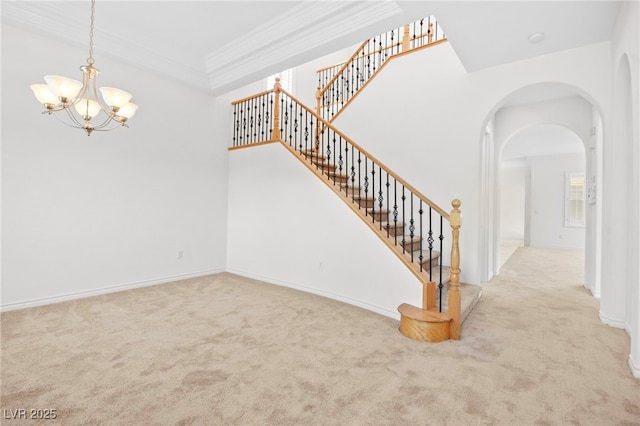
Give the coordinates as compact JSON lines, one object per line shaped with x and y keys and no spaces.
{"x":287,"y":227}
{"x":513,"y":176}
{"x":621,"y":228}
{"x":83,"y":215}
{"x":548,"y":201}
{"x":425,"y":117}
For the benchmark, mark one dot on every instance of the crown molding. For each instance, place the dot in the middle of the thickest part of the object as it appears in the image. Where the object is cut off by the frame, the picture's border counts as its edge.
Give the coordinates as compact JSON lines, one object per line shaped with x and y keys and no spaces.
{"x":304,"y":27}
{"x":44,"y":18}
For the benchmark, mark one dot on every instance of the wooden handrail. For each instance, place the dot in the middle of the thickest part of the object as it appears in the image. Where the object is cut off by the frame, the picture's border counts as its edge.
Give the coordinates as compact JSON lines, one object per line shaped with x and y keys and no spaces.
{"x":327,"y":124}
{"x":362,"y":45}
{"x":346,"y":64}
{"x":384,"y":64}
{"x":372,"y":158}
{"x":418,"y":37}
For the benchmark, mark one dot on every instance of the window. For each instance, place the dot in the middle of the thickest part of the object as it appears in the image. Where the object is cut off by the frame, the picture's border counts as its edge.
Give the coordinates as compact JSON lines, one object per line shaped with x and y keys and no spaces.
{"x":574,"y":198}
{"x":286,"y":80}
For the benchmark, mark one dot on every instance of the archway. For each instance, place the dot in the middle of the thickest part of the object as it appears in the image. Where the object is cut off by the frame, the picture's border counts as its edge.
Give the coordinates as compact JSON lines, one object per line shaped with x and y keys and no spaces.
{"x":620,"y":243}
{"x":541,"y":104}
{"x":542,"y":189}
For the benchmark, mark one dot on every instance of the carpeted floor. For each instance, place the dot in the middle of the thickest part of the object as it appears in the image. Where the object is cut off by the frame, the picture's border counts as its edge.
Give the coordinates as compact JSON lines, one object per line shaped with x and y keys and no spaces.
{"x":226,"y":350}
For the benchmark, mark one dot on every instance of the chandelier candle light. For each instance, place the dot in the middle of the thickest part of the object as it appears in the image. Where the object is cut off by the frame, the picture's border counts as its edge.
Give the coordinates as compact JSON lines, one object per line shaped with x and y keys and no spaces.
{"x":66,"y":94}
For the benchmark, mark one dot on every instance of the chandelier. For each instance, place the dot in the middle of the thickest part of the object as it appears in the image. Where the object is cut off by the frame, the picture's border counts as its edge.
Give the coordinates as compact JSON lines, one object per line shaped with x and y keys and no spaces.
{"x":80,"y":100}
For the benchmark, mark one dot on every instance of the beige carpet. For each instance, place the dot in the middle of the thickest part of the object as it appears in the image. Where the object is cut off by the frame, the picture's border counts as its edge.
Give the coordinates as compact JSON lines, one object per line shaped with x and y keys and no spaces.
{"x":226,"y":350}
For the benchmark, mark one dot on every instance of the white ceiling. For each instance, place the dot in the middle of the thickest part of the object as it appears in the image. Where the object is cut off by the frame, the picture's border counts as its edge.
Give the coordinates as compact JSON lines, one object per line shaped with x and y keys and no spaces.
{"x":221,"y":45}
{"x":486,"y":34}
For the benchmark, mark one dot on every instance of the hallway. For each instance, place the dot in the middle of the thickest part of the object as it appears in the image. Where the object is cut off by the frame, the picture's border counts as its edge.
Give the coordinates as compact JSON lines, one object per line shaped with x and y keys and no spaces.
{"x":538,"y":322}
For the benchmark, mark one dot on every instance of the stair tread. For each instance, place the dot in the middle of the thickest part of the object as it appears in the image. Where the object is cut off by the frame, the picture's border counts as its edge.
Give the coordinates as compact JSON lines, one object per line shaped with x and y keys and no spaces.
{"x":425,"y":255}
{"x":469,"y":296}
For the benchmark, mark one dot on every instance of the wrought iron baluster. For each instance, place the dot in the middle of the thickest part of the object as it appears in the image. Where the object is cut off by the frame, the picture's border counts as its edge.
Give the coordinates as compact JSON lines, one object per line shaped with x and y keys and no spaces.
{"x":359,"y":172}
{"x":328,"y":153}
{"x":412,"y":226}
{"x":254,"y":113}
{"x":296,"y":123}
{"x":235,"y":124}
{"x":346,"y":166}
{"x":387,"y":221}
{"x":380,"y":199}
{"x":440,"y":285}
{"x":373,"y":191}
{"x":340,"y":158}
{"x":430,"y":241}
{"x":366,"y":184}
{"x":421,"y":257}
{"x":243,"y":125}
{"x":334,"y":166}
{"x":311,"y":124}
{"x":395,"y":210}
{"x":404,"y":238}
{"x":261,"y":118}
{"x":306,"y":127}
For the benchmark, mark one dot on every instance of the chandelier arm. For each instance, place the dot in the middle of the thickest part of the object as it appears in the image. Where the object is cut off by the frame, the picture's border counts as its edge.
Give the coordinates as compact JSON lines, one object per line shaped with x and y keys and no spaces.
{"x":108,"y":120}
{"x":75,"y":124}
{"x":86,"y":79}
{"x":79,"y":124}
{"x":100,"y":129}
{"x":105,"y":108}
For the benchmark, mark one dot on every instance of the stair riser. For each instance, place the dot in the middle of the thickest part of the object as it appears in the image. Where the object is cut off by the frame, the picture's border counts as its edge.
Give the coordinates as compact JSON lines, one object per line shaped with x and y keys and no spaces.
{"x":355,"y":190}
{"x":393,"y":230}
{"x":314,"y":156}
{"x":379,"y":216}
{"x":410,"y":246}
{"x":434,"y":263}
{"x":325,"y":167}
{"x":366,"y":203}
{"x":339,"y":178}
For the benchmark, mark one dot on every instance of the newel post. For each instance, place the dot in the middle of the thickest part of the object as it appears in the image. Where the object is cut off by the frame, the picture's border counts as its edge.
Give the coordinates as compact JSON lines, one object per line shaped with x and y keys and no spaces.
{"x":276,"y":110}
{"x":318,"y":97}
{"x":405,"y":39}
{"x":454,"y":286}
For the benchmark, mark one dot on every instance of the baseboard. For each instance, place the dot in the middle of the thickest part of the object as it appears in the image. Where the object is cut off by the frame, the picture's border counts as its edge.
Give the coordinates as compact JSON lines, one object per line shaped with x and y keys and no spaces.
{"x":104,"y":290}
{"x":355,"y":302}
{"x":595,"y":294}
{"x":634,"y":367}
{"x":611,"y":322}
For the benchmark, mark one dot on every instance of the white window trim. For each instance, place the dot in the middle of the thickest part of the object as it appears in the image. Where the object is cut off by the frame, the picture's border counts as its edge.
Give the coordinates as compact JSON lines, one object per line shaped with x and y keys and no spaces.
{"x":286,"y":80}
{"x":568,"y":222}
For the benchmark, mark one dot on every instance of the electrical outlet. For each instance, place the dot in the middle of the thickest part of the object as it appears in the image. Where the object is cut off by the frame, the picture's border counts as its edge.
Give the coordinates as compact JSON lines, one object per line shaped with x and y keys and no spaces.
{"x":179,"y":254}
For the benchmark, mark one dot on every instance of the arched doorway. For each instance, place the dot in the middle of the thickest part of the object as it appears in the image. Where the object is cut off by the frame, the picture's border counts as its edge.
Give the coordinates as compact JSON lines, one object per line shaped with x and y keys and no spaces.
{"x":542,"y":189}
{"x":543,"y":104}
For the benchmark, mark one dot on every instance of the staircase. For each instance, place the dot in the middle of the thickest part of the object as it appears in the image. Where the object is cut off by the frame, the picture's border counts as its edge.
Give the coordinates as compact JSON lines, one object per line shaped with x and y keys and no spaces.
{"x":339,"y":84}
{"x":410,"y":224}
{"x":421,"y":324}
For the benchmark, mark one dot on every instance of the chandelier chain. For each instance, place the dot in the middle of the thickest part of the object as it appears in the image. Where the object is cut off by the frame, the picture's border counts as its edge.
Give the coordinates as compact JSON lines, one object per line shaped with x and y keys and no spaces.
{"x":90,"y":60}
